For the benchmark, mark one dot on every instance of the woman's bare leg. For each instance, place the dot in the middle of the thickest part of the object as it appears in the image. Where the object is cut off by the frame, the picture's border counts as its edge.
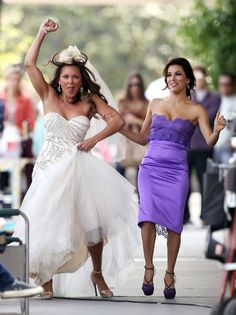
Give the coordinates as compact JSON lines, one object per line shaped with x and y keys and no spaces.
{"x":148,"y":232}
{"x":173,"y":245}
{"x":97,"y":277}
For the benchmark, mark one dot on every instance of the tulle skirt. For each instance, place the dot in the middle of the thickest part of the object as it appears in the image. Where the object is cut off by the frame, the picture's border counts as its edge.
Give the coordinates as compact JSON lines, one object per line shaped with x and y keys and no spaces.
{"x":79,"y":201}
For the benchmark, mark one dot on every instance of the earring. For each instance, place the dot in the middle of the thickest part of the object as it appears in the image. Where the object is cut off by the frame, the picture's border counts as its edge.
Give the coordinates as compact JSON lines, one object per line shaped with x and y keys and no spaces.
{"x":81,"y":90}
{"x":59,"y":88}
{"x":188,"y":87}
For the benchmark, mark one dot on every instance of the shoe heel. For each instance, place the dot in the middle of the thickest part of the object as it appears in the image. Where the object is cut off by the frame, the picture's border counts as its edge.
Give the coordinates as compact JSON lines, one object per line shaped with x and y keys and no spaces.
{"x":95,"y":289}
{"x":107,"y":293}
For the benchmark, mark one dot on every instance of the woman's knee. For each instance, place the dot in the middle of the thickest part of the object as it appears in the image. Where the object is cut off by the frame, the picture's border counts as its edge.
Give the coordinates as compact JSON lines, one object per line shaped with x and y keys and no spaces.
{"x":148,"y":226}
{"x":173,"y":235}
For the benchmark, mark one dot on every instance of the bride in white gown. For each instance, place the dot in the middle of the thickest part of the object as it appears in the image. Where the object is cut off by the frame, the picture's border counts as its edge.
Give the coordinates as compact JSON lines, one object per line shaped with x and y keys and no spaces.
{"x":76,"y":202}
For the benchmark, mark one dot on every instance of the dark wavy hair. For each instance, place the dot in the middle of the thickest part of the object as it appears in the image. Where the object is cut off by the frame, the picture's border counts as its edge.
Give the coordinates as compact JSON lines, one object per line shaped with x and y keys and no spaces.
{"x":184,"y":63}
{"x":127,"y":95}
{"x":89,"y":87}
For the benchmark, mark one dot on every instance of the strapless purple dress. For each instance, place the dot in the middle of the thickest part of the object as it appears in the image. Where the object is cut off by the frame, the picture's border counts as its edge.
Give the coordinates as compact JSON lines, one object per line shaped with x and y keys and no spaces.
{"x":163,"y":178}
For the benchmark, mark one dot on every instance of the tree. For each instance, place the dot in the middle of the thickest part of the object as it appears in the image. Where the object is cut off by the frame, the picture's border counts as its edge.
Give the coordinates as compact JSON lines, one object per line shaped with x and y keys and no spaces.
{"x":116,"y":39}
{"x":208,"y":34}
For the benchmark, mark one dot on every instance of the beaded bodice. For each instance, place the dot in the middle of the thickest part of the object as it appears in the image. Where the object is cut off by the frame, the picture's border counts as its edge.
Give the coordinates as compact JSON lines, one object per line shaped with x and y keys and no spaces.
{"x":177,"y":130}
{"x":61,"y":135}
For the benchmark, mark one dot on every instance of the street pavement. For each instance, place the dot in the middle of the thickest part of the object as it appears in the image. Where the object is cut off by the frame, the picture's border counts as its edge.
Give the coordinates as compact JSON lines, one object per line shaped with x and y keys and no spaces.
{"x":198,"y":284}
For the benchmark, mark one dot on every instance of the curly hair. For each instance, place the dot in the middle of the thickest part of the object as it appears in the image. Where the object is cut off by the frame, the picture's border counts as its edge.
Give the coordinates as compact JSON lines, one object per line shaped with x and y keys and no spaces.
{"x":184,"y":63}
{"x":89,"y":87}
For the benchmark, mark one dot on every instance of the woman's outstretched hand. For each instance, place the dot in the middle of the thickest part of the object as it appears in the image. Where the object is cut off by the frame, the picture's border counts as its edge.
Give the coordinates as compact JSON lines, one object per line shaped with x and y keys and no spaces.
{"x":49,"y":25}
{"x":219,"y":123}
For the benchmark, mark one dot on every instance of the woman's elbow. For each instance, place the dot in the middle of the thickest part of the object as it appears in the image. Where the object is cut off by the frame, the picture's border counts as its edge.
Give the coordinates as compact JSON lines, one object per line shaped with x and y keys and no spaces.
{"x":210,"y":143}
{"x":28,"y":64}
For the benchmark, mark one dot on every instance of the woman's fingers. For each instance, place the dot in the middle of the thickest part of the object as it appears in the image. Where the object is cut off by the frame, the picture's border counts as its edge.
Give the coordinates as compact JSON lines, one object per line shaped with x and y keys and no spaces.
{"x":217,"y":115}
{"x":221,"y":121}
{"x":220,"y":118}
{"x":82,"y":146}
{"x":51,"y":25}
{"x":86,"y":145}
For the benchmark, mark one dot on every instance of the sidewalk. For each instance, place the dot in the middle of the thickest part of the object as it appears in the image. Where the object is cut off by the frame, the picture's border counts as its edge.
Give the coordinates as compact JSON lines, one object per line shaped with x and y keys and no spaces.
{"x":198,"y":282}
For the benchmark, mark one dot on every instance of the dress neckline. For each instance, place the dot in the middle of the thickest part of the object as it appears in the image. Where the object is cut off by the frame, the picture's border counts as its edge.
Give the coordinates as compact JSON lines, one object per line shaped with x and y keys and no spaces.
{"x":68,"y":120}
{"x":174,"y":119}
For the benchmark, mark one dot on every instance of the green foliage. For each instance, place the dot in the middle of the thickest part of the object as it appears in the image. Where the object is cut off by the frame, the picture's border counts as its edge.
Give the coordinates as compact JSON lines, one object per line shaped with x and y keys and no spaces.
{"x":208,"y":34}
{"x":116,"y":39}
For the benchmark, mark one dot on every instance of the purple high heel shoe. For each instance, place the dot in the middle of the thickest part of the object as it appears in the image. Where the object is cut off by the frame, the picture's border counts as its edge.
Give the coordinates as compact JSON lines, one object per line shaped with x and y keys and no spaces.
{"x":169,"y":293}
{"x":148,"y":286}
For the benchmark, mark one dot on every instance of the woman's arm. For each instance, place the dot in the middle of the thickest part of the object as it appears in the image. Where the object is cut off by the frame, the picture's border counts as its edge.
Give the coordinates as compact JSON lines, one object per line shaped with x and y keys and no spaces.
{"x":131,"y":119}
{"x":210,"y":136}
{"x":36,"y":77}
{"x":140,"y":137}
{"x":111,"y":117}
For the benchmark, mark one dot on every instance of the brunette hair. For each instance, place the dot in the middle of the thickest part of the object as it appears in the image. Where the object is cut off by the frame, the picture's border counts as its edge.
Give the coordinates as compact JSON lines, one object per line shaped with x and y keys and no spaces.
{"x":184,"y":63}
{"x":201,"y":69}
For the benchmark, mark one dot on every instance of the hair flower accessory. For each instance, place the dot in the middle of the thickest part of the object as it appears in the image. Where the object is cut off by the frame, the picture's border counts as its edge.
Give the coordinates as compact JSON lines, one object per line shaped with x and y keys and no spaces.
{"x":70,"y":55}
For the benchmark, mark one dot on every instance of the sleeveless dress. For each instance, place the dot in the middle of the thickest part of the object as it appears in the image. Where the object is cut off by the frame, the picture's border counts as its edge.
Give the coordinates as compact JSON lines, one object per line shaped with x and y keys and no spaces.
{"x":163,"y":179}
{"x":76,"y":200}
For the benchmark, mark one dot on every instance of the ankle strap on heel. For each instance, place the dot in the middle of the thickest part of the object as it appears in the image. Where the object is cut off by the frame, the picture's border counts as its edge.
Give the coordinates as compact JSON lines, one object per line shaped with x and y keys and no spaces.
{"x":97,"y":272}
{"x":149,"y":268}
{"x":173,"y":281}
{"x":170,"y":273}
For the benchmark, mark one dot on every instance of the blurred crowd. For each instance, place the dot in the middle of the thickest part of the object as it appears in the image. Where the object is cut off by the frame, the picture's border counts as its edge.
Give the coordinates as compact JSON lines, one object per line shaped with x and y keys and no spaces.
{"x":21,"y":126}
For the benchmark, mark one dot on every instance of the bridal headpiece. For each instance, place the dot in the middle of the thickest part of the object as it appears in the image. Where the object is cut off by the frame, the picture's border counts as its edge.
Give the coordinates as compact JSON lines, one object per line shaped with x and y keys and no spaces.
{"x":69,"y":56}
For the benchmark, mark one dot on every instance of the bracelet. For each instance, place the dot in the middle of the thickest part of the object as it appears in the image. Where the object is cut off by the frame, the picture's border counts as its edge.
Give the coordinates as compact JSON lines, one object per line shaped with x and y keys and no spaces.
{"x":45,"y":31}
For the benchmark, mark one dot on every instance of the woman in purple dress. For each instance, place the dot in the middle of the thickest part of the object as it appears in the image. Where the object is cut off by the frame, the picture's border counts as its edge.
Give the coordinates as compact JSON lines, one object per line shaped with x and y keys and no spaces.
{"x":163,"y":174}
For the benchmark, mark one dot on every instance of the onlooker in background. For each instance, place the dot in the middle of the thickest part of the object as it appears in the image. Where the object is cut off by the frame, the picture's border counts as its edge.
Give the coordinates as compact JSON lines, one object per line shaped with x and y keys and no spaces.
{"x":133,"y":107}
{"x":223,"y":150}
{"x":199,"y":151}
{"x":1,"y":130}
{"x":18,"y":107}
{"x":19,"y":118}
{"x":1,"y":116}
{"x":156,"y":89}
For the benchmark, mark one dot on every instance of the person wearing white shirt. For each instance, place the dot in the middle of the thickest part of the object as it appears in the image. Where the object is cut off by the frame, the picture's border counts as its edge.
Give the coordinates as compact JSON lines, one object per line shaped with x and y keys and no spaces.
{"x":156,"y":89}
{"x":223,"y":150}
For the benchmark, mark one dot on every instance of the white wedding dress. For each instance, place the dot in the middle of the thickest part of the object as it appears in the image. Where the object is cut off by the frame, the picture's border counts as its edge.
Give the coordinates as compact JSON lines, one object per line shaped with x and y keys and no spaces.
{"x":76,"y":200}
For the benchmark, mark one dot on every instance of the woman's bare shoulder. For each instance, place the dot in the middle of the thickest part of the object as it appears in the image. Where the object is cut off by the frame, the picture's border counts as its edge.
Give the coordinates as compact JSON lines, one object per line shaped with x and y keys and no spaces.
{"x":197,"y":110}
{"x":196,"y":107}
{"x":157,"y":103}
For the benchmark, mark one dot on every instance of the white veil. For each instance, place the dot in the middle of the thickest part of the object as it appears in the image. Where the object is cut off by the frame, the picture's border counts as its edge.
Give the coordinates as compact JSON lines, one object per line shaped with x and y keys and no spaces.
{"x":116,"y":144}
